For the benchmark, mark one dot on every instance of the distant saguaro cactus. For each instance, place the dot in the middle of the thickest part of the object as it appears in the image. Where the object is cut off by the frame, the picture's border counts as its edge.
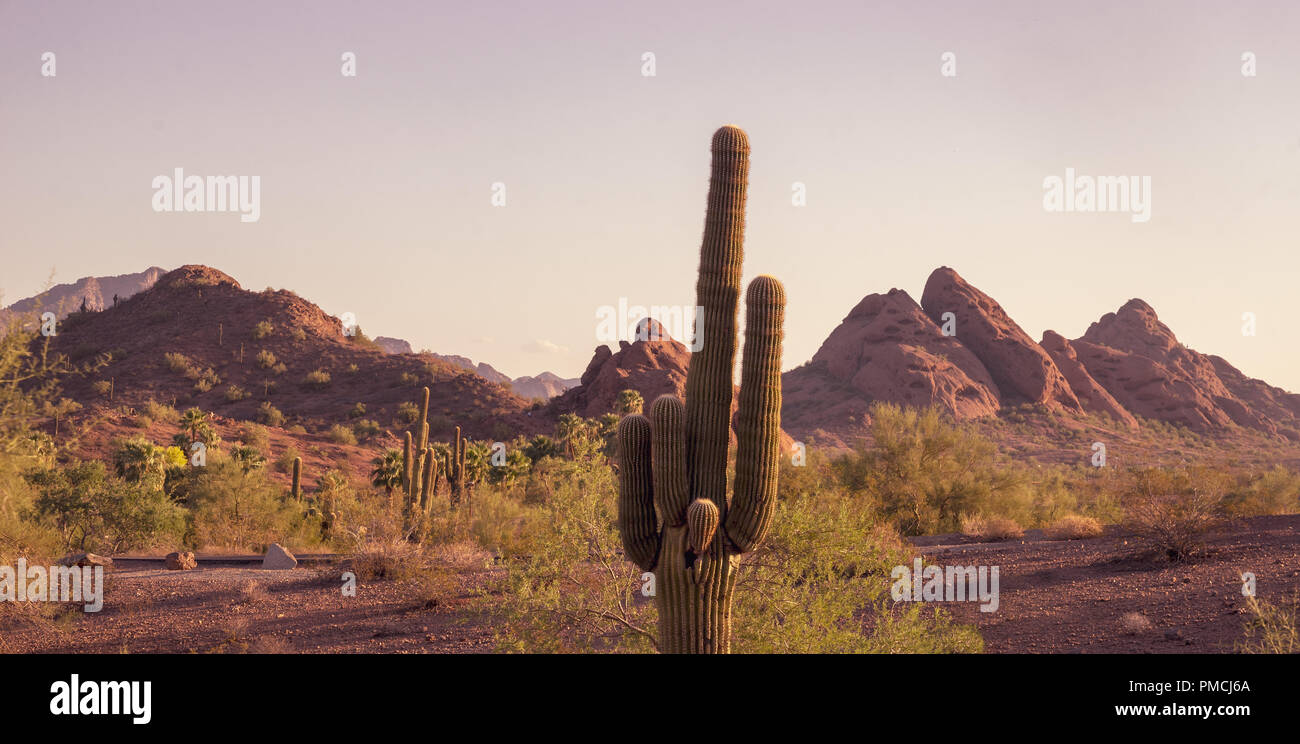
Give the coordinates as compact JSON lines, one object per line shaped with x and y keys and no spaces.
{"x":673,"y":465}
{"x":296,"y":490}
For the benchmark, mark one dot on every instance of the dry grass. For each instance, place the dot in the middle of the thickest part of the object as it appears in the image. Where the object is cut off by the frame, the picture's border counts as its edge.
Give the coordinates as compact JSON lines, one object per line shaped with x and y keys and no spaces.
{"x":992,"y":529}
{"x":1272,"y":629}
{"x":1073,"y":527}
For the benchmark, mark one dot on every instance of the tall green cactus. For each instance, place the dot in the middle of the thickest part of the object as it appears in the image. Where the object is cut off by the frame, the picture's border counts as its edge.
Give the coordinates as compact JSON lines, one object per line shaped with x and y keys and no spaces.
{"x":674,"y":513}
{"x":296,"y":489}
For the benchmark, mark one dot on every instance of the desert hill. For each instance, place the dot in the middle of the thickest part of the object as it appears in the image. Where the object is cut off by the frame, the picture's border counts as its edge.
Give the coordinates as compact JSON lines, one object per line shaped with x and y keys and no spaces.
{"x":197,"y":338}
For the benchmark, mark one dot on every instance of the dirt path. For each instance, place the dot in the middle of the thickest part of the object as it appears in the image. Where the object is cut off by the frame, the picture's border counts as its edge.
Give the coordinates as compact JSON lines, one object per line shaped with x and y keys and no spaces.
{"x":1073,"y":596}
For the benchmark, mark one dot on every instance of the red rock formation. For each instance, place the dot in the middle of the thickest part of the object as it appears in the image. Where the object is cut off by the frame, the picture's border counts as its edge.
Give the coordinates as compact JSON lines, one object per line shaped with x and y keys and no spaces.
{"x":1092,"y":396}
{"x":1021,"y":369}
{"x":1142,"y":364}
{"x":652,"y":366}
{"x":885,"y":349}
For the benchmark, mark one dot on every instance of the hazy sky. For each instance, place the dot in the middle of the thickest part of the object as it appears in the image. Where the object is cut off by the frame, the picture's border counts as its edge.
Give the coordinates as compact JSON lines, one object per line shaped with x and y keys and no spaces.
{"x":376,"y":189}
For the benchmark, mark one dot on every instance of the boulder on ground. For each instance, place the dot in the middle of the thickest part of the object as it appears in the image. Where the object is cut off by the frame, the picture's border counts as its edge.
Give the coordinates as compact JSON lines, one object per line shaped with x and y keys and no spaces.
{"x":85,"y":559}
{"x":278,"y":558}
{"x":180,"y":561}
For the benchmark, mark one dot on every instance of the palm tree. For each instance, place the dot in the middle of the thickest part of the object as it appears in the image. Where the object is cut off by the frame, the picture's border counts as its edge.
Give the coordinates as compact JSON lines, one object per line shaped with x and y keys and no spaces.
{"x":248,"y":458}
{"x":193,"y":422}
{"x":387,"y":473}
{"x":137,"y":459}
{"x":568,"y":426}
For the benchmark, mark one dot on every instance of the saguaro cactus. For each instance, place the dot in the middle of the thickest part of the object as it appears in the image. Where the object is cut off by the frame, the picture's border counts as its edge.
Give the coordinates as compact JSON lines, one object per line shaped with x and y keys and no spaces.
{"x":296,"y":489}
{"x":674,"y":513}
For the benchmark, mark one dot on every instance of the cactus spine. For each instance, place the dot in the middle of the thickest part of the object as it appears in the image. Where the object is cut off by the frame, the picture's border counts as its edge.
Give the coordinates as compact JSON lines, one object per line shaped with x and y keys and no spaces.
{"x":673,"y":465}
{"x":296,"y":489}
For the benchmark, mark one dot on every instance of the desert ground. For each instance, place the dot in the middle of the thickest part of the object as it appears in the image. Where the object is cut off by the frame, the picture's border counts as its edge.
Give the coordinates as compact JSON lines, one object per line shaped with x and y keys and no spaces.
{"x":1098,"y":595}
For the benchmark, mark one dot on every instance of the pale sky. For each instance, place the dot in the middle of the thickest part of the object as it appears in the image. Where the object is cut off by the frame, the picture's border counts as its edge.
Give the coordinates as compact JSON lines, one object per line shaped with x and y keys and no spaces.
{"x":376,"y":189}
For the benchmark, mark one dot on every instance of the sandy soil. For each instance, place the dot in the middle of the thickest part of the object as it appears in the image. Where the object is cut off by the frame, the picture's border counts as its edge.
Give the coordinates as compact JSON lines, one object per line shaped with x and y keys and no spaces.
{"x":1072,"y":596}
{"x":250,"y":610}
{"x":1056,"y":596}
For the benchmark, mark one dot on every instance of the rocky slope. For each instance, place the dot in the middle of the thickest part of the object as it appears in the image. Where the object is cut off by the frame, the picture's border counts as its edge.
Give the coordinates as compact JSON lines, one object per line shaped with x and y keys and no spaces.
{"x":197,"y":324}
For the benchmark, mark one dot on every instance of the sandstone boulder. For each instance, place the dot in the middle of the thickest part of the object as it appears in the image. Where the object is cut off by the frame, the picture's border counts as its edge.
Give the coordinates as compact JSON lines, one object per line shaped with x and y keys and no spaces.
{"x":278,"y":558}
{"x":180,"y":561}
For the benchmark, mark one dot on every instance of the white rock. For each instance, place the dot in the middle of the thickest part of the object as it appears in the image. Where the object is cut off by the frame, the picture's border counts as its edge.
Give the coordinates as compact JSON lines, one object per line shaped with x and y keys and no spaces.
{"x":278,"y":558}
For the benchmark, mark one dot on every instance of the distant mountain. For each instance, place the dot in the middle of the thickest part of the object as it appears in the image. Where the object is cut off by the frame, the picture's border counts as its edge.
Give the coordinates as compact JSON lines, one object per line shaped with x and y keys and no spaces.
{"x":1127,"y":365}
{"x":393,"y":345}
{"x":546,"y":385}
{"x":97,"y":292}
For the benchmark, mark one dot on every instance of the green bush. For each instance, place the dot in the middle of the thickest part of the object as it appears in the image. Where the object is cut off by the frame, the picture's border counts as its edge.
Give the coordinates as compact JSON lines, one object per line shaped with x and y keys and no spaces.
{"x":269,"y":415}
{"x":317,"y":378}
{"x":340,"y":434}
{"x":263,"y":329}
{"x":94,"y":512}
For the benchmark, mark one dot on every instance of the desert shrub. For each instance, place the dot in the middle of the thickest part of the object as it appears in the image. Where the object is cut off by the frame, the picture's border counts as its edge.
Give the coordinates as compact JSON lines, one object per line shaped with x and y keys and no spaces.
{"x":1276,"y":491}
{"x":1271,"y":629}
{"x":818,"y":584}
{"x":407,"y":413}
{"x":340,"y":434}
{"x":255,"y":436}
{"x":317,"y":378}
{"x":153,"y":411}
{"x":407,"y":378}
{"x":266,"y":359}
{"x":1073,"y":527}
{"x":269,"y":415}
{"x":279,"y":368}
{"x":365,"y":429}
{"x":233,"y":507}
{"x":263,"y":329}
{"x":925,"y":473}
{"x":298,"y":334}
{"x":991,"y":529}
{"x":97,"y":513}
{"x":1173,"y":510}
{"x":284,"y":463}
{"x":235,"y":393}
{"x":352,"y":368}
{"x":206,"y":380}
{"x":178,"y":363}
{"x":357,"y":411}
{"x":102,"y":387}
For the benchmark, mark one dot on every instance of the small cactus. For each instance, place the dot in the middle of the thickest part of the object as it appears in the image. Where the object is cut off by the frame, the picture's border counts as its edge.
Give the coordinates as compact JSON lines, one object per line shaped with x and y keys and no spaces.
{"x":675,"y":516}
{"x":296,"y":489}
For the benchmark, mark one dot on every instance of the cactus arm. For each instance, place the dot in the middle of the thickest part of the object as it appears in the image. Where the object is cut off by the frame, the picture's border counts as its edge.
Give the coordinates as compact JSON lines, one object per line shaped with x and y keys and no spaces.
{"x":709,"y":380}
{"x":758,"y":428}
{"x":636,"y":511}
{"x":668,"y":450}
